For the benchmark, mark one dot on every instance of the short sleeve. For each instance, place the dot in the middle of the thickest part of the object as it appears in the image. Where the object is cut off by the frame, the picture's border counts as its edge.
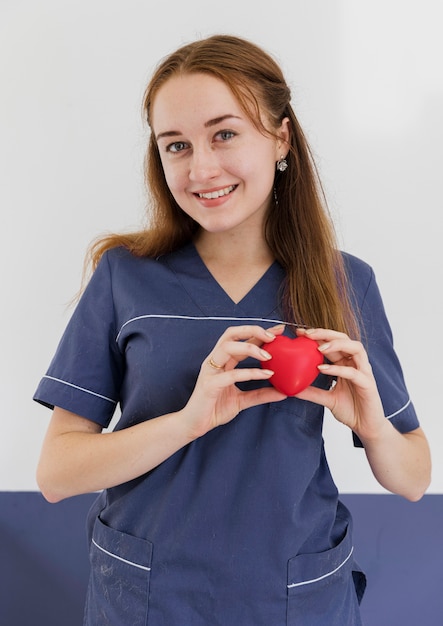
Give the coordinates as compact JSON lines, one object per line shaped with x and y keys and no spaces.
{"x":85,"y":374}
{"x":378,"y":340}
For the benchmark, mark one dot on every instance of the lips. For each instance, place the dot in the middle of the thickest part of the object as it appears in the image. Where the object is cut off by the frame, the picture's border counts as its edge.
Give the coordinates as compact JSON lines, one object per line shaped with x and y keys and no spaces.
{"x":219,"y":193}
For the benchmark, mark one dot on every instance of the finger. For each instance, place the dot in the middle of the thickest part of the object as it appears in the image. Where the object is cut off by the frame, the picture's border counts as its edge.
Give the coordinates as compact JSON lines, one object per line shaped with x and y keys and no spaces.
{"x":240,"y":350}
{"x":318,"y":396}
{"x":330,"y":341}
{"x":321,"y":334}
{"x":226,"y":378}
{"x":233,"y":353}
{"x":238,"y":343}
{"x":246,"y":333}
{"x":264,"y":395}
{"x":357,"y":377}
{"x":274,"y":330}
{"x":345,"y":349}
{"x":214,"y":364}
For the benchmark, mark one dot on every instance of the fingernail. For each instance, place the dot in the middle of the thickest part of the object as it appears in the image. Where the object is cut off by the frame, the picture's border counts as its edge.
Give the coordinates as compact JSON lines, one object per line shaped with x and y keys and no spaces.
{"x":324,"y":347}
{"x":276,"y":328}
{"x":267,"y":372}
{"x":324,"y":366}
{"x":309,"y":331}
{"x":265,"y":355}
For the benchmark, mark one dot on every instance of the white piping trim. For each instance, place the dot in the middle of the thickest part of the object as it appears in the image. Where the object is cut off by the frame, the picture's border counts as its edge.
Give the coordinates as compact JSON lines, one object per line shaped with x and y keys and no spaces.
{"x":58,"y":380}
{"x":119,"y":558}
{"x":315,"y":580}
{"x":201,"y":318}
{"x":399,"y":410}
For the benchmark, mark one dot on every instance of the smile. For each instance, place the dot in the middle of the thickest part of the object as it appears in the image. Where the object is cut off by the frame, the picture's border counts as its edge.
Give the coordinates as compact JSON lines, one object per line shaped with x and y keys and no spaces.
{"x":217,"y":194}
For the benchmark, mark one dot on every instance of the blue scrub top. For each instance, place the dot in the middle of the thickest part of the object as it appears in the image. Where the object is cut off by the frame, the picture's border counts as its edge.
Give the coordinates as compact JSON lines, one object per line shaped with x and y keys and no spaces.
{"x":242,"y":526}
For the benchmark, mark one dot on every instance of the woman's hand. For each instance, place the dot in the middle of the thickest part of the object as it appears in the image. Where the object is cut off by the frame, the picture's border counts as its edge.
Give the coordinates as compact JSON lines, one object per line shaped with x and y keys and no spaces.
{"x":400,"y":462}
{"x":216,"y":399}
{"x":78,"y":458}
{"x":354,"y":400}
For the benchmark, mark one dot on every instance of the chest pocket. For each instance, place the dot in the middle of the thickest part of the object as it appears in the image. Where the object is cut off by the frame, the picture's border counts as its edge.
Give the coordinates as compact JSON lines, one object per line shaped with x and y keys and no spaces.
{"x":119,"y":582}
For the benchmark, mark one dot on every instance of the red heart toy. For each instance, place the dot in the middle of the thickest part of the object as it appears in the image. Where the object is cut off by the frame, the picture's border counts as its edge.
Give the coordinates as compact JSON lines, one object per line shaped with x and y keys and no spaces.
{"x":294,"y":363}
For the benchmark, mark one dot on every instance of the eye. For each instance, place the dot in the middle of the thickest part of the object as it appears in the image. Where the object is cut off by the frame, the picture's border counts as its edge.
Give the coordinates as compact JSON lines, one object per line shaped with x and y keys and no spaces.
{"x":177,"y":146}
{"x":226,"y":135}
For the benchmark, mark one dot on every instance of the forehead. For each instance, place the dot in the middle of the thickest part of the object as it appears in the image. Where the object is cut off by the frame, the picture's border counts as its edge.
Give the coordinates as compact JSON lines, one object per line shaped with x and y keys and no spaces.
{"x":192,"y":98}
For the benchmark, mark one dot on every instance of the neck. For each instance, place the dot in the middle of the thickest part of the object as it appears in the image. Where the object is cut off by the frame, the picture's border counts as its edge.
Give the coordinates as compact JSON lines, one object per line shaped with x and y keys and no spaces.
{"x":236,"y":263}
{"x":234,"y":248}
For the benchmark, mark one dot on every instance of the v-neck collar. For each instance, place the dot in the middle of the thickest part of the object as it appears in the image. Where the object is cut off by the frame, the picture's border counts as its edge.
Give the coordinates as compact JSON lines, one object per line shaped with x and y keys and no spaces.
{"x":210,"y":297}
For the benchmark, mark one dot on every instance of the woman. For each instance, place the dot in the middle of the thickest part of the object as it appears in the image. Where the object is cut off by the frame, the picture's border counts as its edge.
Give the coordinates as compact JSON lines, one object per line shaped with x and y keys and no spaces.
{"x":217,"y":505}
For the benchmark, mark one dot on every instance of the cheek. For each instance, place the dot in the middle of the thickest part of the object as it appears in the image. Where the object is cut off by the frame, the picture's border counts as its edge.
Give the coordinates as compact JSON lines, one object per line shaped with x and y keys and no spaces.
{"x":259,"y":162}
{"x":174,"y":177}
{"x":260,"y":173}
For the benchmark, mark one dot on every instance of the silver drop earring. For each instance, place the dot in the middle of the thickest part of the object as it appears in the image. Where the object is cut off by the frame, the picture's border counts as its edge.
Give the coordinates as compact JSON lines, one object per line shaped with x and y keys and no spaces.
{"x":282,"y":164}
{"x":275,"y":198}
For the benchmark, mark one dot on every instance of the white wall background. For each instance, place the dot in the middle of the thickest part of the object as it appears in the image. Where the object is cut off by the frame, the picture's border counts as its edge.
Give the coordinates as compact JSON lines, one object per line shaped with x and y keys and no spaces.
{"x":367,"y":84}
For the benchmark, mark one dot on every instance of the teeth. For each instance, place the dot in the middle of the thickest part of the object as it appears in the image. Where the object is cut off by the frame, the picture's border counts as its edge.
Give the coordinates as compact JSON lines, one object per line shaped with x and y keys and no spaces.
{"x":217,"y":194}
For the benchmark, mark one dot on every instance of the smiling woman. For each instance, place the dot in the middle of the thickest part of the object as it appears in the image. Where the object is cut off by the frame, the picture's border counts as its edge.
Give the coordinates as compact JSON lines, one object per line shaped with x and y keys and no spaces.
{"x":217,"y":504}
{"x":208,"y":166}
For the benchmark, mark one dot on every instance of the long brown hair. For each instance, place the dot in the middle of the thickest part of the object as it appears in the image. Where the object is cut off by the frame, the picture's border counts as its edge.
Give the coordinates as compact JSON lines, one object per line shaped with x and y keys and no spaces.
{"x":298,"y":228}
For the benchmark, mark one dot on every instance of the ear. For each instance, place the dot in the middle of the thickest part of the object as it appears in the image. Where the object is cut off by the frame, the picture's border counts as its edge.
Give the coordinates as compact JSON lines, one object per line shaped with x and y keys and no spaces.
{"x":284,"y":134}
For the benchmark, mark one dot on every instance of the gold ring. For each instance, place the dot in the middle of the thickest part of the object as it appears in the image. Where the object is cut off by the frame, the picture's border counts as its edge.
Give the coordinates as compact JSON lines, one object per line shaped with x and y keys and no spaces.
{"x":213,"y":364}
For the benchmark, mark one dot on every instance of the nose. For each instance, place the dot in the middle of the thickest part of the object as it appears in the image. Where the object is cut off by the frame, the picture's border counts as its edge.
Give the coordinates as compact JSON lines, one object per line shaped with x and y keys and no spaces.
{"x":204,"y":164}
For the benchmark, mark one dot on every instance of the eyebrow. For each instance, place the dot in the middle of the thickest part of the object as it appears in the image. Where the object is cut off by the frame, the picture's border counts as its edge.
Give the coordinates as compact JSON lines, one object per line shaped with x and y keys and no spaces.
{"x":208,"y":124}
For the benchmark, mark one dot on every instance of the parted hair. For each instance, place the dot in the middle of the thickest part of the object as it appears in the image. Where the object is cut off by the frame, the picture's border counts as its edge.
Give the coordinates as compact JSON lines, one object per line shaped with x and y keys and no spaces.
{"x":298,"y":227}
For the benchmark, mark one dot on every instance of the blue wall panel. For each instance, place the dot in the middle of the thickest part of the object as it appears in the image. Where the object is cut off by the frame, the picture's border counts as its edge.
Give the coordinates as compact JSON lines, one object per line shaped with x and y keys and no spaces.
{"x":44,"y":562}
